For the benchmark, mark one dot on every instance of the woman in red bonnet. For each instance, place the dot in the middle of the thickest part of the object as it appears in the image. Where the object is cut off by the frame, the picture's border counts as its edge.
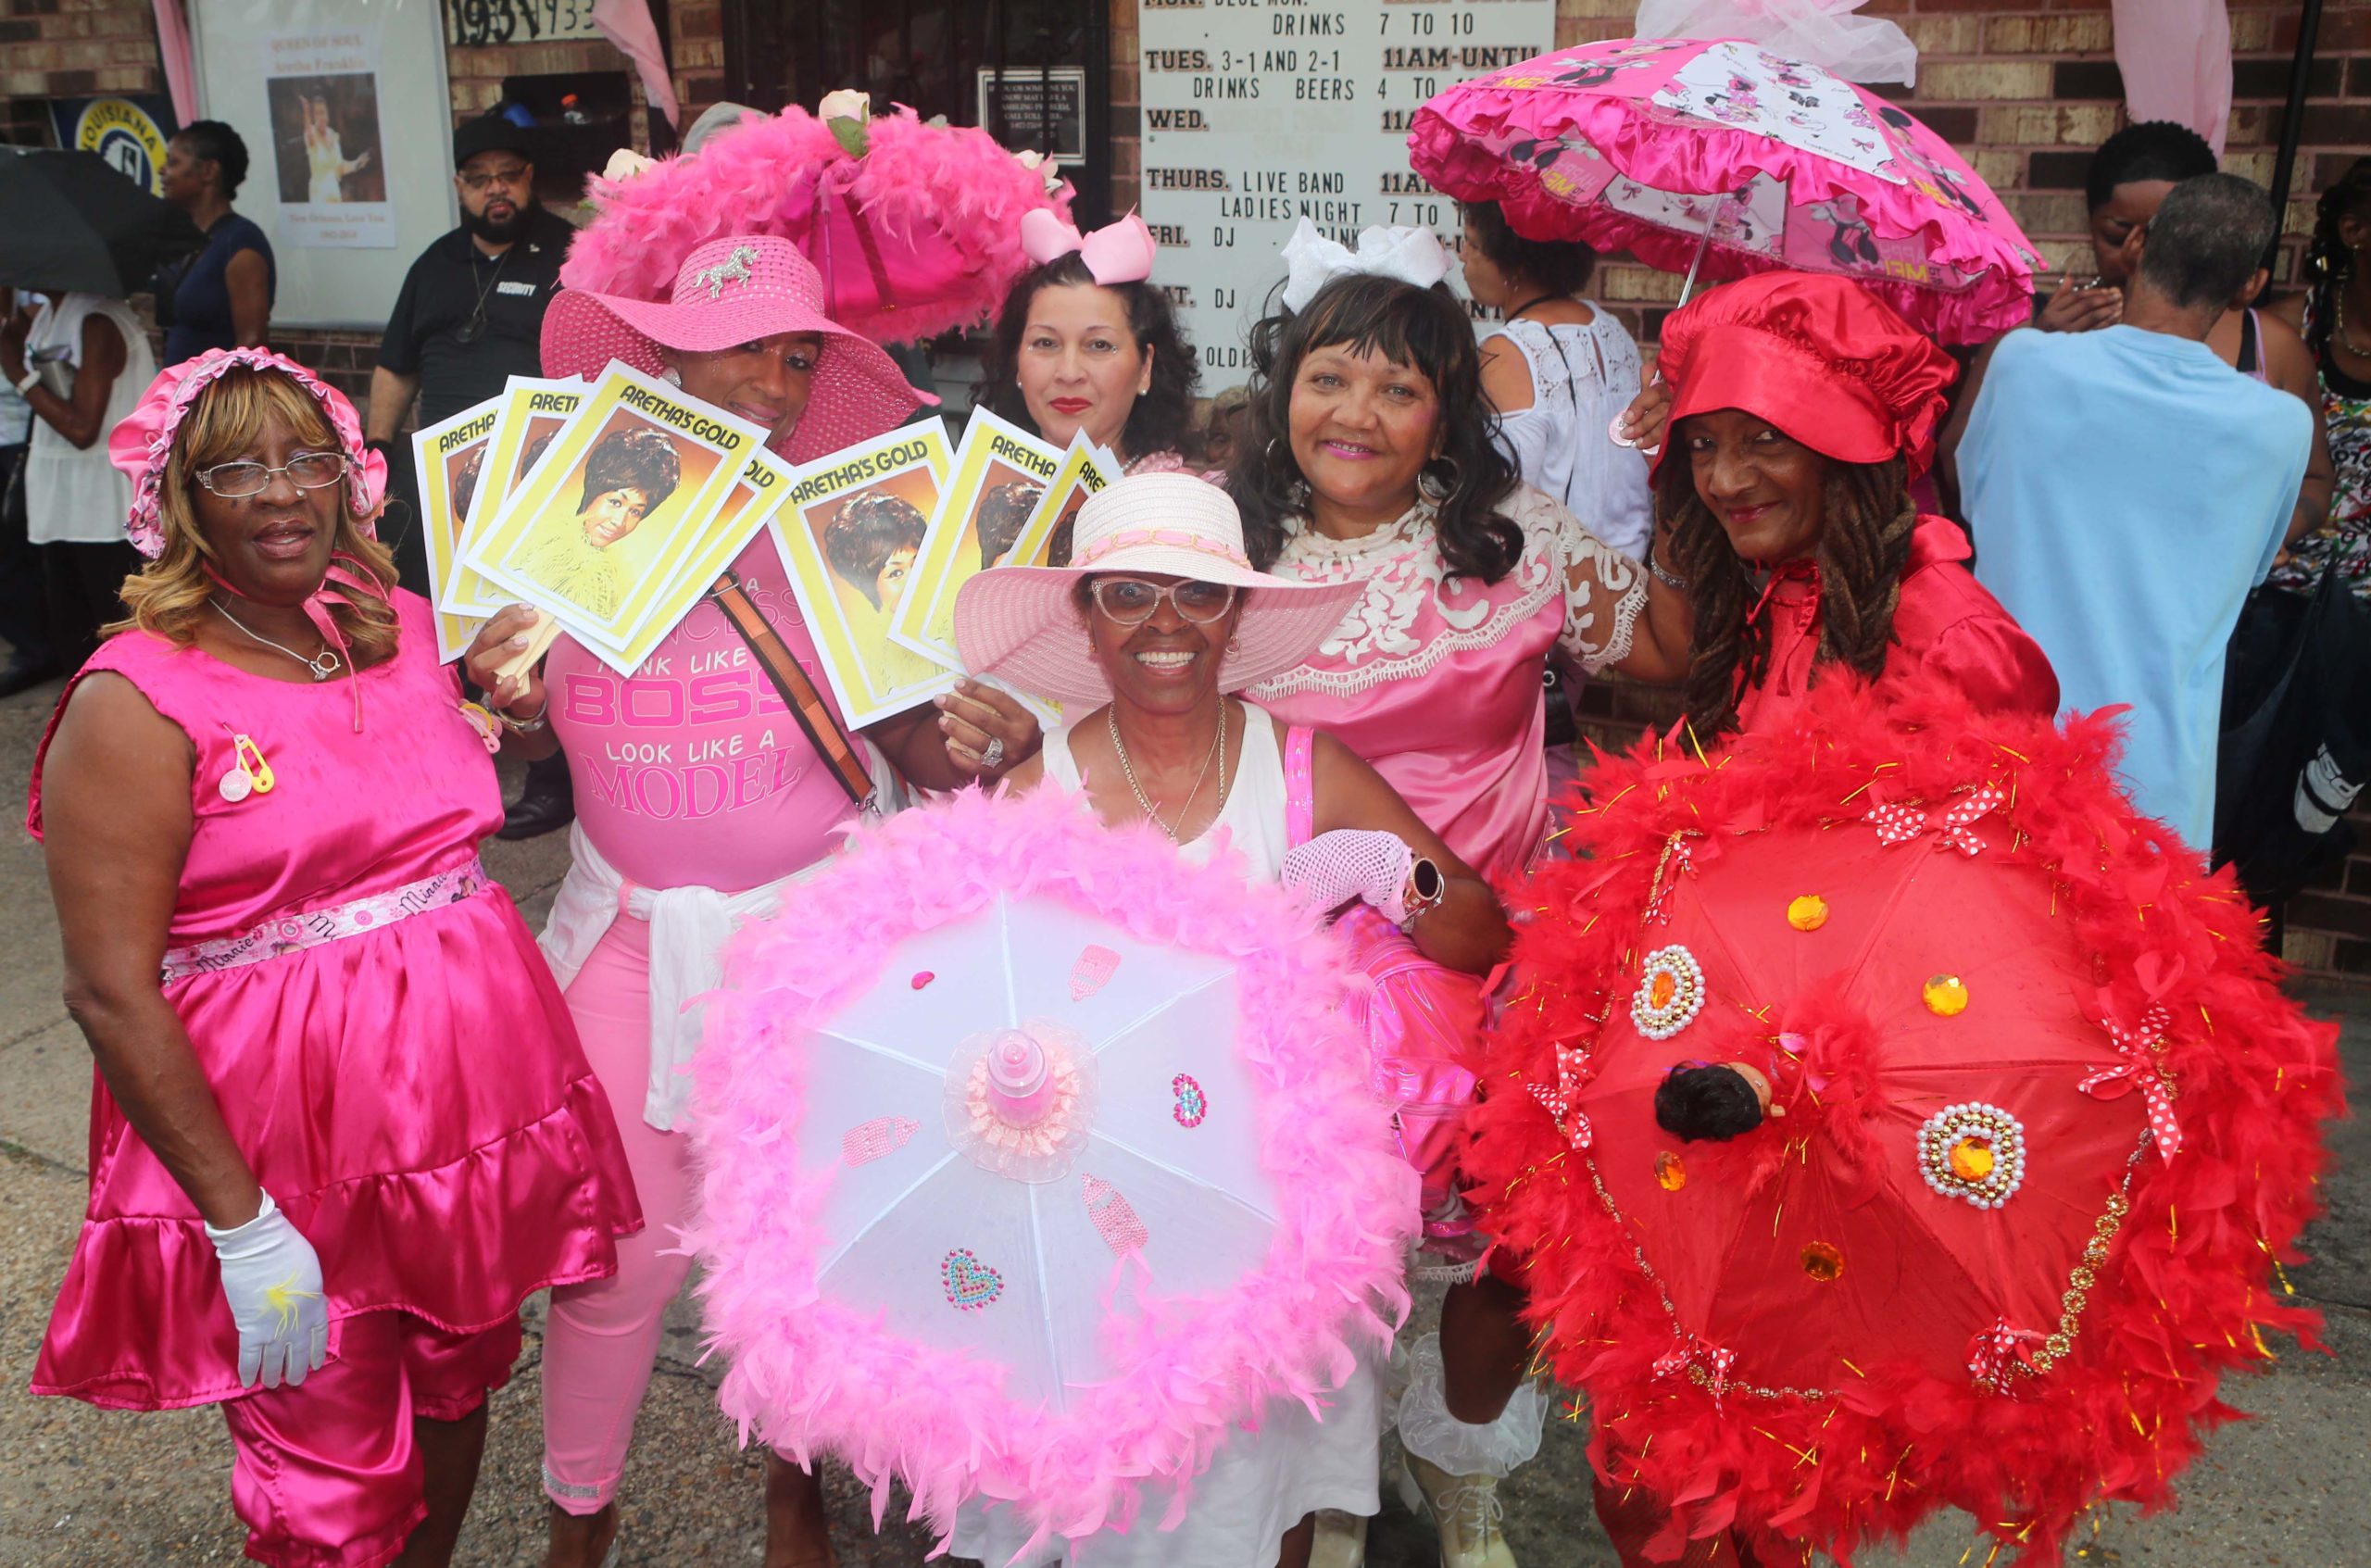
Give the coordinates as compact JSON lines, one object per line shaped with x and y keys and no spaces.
{"x":1800,"y":411}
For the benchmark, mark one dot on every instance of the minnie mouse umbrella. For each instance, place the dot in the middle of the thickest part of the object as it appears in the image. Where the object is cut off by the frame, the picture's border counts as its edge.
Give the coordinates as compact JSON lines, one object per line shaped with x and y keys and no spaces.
{"x":1684,"y":151}
{"x":1037,"y":1160}
{"x":2041,"y":1123}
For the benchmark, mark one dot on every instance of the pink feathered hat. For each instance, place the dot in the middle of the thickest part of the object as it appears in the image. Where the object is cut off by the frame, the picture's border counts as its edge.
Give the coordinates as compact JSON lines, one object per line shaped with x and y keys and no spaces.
{"x":730,"y":292}
{"x":1017,"y":622}
{"x":140,"y":445}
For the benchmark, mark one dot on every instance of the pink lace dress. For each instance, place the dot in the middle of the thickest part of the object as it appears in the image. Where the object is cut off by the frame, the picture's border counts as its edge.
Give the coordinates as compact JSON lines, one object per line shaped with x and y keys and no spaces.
{"x":385,"y":1044}
{"x":1436,"y":681}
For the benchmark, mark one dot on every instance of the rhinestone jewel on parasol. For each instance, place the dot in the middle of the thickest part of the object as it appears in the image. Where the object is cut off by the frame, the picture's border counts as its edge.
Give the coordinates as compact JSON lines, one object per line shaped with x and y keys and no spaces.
{"x":1036,"y":1161}
{"x":1687,"y":152}
{"x":914,"y":225}
{"x":2043,"y":1128}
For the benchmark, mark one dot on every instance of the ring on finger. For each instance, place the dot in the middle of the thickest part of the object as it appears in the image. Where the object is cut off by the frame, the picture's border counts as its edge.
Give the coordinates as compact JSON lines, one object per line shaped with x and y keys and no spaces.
{"x":994,"y":756}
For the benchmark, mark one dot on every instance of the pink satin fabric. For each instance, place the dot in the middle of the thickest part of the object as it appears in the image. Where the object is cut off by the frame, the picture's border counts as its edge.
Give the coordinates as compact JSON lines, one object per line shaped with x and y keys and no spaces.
{"x":327,"y":1474}
{"x":2175,"y":57}
{"x":1438,"y":685}
{"x":354,"y":1076}
{"x":1945,"y":621}
{"x":693,"y":772}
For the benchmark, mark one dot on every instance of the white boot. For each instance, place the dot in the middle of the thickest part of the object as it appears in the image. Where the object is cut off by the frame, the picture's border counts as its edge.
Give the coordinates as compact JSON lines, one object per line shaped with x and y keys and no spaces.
{"x":1453,"y":1470}
{"x":1341,"y":1540}
{"x":1464,"y":1509}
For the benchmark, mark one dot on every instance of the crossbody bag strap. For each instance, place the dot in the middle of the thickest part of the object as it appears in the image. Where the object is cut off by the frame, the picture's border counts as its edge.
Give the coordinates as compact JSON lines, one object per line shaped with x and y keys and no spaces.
{"x":806,"y":704}
{"x":1301,"y":784}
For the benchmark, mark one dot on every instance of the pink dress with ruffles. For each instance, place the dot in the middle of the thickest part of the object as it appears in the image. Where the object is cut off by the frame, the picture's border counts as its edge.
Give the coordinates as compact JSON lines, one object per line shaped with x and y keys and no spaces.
{"x":1435,"y":681}
{"x":412,"y":1094}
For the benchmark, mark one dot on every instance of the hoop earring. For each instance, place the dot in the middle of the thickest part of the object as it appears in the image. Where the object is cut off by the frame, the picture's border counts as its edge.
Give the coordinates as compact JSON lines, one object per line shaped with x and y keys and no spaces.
{"x":1434,"y":485}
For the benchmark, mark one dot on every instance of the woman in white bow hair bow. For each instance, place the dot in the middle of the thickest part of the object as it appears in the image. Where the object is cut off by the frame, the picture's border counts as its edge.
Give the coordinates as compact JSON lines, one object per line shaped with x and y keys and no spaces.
{"x":1086,"y":342}
{"x":1370,"y":455}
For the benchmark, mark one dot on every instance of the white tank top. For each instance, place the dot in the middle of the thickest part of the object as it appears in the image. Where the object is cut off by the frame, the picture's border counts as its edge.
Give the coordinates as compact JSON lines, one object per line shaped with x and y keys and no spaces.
{"x":1254,"y":817}
{"x":1581,"y":377}
{"x":72,"y":494}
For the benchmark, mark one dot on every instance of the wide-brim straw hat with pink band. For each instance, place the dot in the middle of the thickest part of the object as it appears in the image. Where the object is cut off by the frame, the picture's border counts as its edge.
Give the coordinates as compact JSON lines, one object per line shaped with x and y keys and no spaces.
{"x":730,"y":292}
{"x":1020,"y":624}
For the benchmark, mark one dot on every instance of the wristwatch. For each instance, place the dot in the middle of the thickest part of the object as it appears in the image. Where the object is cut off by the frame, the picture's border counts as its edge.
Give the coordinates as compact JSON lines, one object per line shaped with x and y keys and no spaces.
{"x":1426,"y":888}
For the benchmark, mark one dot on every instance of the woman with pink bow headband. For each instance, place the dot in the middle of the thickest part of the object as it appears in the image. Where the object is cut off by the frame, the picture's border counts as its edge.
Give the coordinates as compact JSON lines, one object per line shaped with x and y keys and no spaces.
{"x":1086,"y":342}
{"x":260,"y":803}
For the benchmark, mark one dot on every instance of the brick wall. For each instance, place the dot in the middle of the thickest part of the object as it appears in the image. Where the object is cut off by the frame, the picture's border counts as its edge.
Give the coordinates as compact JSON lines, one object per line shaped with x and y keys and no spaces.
{"x":72,"y":49}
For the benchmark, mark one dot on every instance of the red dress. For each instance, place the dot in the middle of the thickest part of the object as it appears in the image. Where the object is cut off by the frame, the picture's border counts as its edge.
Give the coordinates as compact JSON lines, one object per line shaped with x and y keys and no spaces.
{"x":1945,"y":621}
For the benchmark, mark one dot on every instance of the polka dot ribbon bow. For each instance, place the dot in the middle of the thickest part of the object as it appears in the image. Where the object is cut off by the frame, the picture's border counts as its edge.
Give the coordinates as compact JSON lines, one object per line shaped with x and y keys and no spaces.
{"x":2140,"y":1070}
{"x":1572,"y":1071}
{"x":1900,"y":823}
{"x":1999,"y":1350}
{"x":1694,"y":1351}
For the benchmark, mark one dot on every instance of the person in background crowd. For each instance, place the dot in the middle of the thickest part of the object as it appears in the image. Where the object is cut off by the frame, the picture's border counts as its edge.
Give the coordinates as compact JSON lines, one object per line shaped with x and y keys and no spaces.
{"x":469,"y":319}
{"x":338,"y":1098}
{"x":2334,"y":315}
{"x":2129,"y":178}
{"x":1095,"y":349}
{"x":81,"y":362}
{"x":1368,"y":457}
{"x":2127,"y":490}
{"x":1223,"y":436}
{"x":221,"y":297}
{"x":24,"y":620}
{"x":1558,"y":369}
{"x":690,"y":827}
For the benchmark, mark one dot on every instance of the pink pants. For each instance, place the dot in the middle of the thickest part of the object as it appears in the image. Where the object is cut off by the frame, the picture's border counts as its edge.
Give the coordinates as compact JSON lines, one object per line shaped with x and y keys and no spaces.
{"x":603,"y":1337}
{"x":326,"y":1474}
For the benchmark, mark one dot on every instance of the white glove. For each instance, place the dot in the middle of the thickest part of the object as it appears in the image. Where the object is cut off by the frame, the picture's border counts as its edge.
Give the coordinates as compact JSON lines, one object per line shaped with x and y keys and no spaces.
{"x":1348,"y":863}
{"x":273,"y":1280}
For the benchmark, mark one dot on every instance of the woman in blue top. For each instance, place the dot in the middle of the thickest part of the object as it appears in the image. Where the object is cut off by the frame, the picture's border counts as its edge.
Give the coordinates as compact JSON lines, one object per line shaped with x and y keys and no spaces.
{"x":221,"y":297}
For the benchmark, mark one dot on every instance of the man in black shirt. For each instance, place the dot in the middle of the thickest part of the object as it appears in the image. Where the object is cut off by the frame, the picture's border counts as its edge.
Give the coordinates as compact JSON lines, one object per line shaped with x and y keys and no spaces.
{"x":469,"y":317}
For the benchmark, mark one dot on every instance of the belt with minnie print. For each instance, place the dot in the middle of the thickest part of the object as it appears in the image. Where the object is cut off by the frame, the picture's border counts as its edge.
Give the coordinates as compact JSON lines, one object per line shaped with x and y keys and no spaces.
{"x":316,"y":928}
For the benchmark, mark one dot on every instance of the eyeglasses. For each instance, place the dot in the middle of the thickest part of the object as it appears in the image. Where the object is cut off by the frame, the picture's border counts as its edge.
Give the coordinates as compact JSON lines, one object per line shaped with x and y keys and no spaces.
{"x":1128,"y":601}
{"x":306,"y":470}
{"x":514,"y":174}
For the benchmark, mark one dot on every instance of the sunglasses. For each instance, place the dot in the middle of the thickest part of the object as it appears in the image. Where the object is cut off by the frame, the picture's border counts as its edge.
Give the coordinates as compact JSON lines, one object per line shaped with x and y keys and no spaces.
{"x":1129,"y":601}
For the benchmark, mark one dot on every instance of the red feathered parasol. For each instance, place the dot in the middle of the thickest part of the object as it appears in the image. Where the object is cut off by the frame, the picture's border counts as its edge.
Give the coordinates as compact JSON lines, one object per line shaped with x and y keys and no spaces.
{"x":2048,"y":1123}
{"x":915,"y":225}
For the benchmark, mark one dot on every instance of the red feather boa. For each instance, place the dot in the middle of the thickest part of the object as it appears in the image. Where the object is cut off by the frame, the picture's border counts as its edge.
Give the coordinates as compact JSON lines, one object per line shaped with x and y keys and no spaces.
{"x":2183,"y":1294}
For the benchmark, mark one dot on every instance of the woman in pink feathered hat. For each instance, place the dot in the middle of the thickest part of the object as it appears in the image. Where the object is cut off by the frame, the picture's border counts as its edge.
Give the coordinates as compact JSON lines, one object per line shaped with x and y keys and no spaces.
{"x":699,"y":796}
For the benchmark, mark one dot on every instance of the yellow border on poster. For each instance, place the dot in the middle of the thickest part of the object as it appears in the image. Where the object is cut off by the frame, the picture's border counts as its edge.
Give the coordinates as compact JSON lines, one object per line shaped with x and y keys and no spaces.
{"x":1086,"y":467}
{"x":764,"y":485}
{"x":895,"y":678}
{"x":925,"y":617}
{"x":521,"y":400}
{"x":432,"y":449}
{"x":675,"y":526}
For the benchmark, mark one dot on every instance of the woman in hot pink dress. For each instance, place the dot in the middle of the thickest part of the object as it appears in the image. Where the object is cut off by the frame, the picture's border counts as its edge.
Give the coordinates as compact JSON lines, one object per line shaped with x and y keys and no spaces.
{"x":1368,"y":456}
{"x":342,"y":1128}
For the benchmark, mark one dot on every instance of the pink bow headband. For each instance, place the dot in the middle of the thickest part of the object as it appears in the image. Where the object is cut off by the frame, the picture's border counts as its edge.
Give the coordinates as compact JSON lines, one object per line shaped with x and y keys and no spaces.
{"x":1117,"y":253}
{"x":140,"y":445}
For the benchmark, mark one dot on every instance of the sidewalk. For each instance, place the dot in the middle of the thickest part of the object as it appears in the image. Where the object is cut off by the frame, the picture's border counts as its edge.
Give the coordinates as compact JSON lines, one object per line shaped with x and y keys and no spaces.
{"x":2291,"y":1490}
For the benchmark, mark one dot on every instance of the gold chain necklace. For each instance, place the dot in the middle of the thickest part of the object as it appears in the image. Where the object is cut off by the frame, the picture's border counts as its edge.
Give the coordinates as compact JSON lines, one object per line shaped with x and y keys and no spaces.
{"x":1217,"y":750}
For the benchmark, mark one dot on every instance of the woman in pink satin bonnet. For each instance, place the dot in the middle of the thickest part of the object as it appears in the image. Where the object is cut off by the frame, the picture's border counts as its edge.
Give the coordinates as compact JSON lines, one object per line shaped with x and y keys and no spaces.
{"x":1369,"y":460}
{"x":260,"y":804}
{"x":1086,"y":341}
{"x":1174,"y":619}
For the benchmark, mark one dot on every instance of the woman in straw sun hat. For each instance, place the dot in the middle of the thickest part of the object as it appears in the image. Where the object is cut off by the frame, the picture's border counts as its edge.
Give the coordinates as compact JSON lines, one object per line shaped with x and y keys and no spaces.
{"x":1156,"y":620}
{"x":698,"y":798}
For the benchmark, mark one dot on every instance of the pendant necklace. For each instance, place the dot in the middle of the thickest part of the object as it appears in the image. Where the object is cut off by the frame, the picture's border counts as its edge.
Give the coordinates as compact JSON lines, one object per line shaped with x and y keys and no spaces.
{"x":322,"y":667}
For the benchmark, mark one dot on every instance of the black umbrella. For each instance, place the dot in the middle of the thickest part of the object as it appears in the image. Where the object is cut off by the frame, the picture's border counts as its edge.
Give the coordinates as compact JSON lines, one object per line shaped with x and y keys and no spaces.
{"x":76,"y":224}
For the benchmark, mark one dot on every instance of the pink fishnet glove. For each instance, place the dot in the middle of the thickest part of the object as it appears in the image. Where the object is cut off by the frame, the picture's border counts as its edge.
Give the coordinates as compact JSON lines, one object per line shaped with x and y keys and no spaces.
{"x":1333,"y":868}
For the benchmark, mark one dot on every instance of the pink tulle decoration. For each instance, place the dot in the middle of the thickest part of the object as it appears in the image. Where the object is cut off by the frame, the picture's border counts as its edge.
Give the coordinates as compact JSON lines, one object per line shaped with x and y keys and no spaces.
{"x":940,"y":206}
{"x":806,"y":1374}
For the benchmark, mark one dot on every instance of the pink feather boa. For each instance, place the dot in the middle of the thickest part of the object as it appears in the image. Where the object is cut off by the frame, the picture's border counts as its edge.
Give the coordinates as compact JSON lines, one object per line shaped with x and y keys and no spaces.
{"x":806,"y":1374}
{"x":2184,"y":1296}
{"x":947,"y":190}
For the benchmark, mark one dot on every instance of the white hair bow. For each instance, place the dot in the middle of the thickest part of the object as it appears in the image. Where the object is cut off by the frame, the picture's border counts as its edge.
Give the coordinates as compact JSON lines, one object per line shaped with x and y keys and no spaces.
{"x":1413,"y":256}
